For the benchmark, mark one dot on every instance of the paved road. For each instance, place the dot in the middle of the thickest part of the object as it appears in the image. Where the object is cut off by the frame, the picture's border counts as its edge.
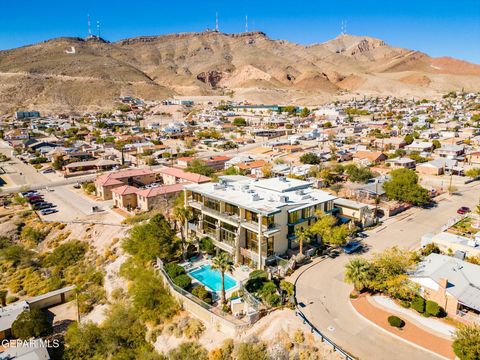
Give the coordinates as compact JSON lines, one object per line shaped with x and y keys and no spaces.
{"x":22,"y":175}
{"x":322,"y":290}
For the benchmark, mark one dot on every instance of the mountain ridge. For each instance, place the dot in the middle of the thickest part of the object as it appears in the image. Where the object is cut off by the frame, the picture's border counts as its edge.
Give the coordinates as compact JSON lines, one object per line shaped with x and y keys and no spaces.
{"x":251,"y":66}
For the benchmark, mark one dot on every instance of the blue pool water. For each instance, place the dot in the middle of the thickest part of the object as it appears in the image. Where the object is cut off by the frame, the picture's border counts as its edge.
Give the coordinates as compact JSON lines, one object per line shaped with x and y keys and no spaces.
{"x":212,"y":278}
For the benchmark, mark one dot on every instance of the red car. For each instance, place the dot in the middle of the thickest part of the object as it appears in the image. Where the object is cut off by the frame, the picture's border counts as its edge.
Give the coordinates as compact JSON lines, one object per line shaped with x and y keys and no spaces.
{"x":463,"y":210}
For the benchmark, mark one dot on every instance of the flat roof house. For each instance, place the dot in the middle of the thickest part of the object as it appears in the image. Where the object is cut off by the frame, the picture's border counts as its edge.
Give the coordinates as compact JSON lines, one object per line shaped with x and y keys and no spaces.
{"x":254,"y":219}
{"x":401,"y":162}
{"x":453,"y":283}
{"x":451,"y":151}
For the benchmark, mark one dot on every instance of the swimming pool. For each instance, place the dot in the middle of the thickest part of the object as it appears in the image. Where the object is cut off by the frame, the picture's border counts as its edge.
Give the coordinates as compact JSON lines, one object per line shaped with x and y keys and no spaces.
{"x":212,"y":278}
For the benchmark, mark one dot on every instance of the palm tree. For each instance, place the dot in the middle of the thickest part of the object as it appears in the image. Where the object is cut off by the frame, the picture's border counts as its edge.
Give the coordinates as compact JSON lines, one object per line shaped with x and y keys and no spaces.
{"x":357,"y":272}
{"x":222,"y":263}
{"x":182,"y":214}
{"x":302,"y":234}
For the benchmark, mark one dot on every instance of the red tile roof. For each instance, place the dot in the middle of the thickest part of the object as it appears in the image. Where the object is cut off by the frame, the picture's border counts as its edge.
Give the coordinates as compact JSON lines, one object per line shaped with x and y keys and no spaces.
{"x":161,"y":190}
{"x":184,"y":175}
{"x":125,"y":190}
{"x":104,"y":179}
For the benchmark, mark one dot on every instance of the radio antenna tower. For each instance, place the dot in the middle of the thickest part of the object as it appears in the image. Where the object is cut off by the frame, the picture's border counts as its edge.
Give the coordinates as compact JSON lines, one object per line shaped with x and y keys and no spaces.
{"x":216,"y":21}
{"x":89,"y":26}
{"x":98,"y":29}
{"x":246,"y":23}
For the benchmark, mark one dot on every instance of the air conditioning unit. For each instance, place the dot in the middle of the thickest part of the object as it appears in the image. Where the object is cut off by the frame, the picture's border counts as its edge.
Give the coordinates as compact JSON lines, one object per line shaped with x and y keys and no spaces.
{"x":284,"y":199}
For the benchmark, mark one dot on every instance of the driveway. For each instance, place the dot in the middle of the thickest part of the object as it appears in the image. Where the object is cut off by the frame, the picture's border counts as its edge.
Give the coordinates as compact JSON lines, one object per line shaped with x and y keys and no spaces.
{"x":321,"y":289}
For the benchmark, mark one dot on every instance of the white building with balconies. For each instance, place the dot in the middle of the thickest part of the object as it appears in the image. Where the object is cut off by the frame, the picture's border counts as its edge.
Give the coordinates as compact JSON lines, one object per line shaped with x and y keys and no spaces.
{"x":254,"y":219}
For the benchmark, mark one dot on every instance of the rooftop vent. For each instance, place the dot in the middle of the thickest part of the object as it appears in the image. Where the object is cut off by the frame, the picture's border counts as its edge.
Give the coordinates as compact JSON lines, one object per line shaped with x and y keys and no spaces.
{"x":284,"y":199}
{"x":255,"y":197}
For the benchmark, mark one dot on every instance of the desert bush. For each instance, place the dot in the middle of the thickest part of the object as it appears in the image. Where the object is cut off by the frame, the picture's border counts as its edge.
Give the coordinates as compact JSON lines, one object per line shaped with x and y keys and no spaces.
{"x":182,"y":281}
{"x":202,"y":293}
{"x":395,"y":321}
{"x":418,"y":304}
{"x":432,"y":308}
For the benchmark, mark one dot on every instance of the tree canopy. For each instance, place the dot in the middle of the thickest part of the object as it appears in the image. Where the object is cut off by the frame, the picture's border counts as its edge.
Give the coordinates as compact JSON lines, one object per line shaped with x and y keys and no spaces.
{"x":330,"y":233}
{"x":199,"y":167}
{"x":466,"y":344}
{"x":310,"y":158}
{"x":31,"y":323}
{"x":154,"y":239}
{"x":403,"y":186}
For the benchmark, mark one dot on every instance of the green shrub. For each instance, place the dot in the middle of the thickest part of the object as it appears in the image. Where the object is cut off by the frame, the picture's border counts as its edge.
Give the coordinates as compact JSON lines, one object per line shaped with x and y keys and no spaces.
{"x":273,"y":300}
{"x":182,"y":281}
{"x":395,"y":321}
{"x":202,"y":293}
{"x":31,"y":323}
{"x":173,"y":270}
{"x":432,"y":308}
{"x":418,"y":304}
{"x":405,"y":303}
{"x":258,"y":274}
{"x":206,"y":245}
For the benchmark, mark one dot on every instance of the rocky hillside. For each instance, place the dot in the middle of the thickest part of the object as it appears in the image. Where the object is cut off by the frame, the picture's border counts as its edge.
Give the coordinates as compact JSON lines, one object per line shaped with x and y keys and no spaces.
{"x":74,"y":74}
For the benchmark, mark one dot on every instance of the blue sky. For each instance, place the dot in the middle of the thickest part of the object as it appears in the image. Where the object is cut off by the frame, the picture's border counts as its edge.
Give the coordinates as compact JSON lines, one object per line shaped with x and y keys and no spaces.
{"x":450,"y":28}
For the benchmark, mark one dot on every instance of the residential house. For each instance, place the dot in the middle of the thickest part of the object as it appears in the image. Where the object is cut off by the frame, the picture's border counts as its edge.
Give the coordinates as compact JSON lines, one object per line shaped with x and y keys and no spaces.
{"x":172,"y":176}
{"x":451,"y":151}
{"x":401,"y":163}
{"x":453,"y":283}
{"x":107,"y":182}
{"x":368,"y":158}
{"x":448,"y":242}
{"x":89,"y":166}
{"x":420,"y":146}
{"x":254,"y":219}
{"x":393,"y":143}
{"x":440,"y":166}
{"x":474,"y":158}
{"x":360,"y":214}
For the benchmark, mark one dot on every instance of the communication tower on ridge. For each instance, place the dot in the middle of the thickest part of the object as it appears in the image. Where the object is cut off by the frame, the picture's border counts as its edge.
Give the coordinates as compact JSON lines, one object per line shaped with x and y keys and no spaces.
{"x":216,"y":21}
{"x":246,"y":23}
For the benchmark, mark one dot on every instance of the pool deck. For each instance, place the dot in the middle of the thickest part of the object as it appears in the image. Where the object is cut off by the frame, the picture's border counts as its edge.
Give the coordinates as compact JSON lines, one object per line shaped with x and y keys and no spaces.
{"x":239,"y":273}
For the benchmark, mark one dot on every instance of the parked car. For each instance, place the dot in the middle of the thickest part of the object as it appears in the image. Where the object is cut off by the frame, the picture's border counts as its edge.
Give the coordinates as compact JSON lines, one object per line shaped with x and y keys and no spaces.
{"x":362,"y":235}
{"x":29,"y":193}
{"x":48,"y":211}
{"x":36,"y":200}
{"x":43,"y":205}
{"x":48,"y":171}
{"x":351,"y":247}
{"x":463,"y":210}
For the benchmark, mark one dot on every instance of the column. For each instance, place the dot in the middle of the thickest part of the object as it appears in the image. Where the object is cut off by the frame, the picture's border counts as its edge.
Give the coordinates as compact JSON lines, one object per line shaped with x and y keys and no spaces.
{"x":259,"y":241}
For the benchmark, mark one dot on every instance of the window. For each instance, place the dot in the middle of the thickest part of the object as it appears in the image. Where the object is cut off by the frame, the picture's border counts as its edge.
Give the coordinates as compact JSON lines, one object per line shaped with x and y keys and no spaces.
{"x":228,"y":234}
{"x":197,"y":197}
{"x":308,"y":212}
{"x":268,"y":221}
{"x":252,"y":243}
{"x":210,"y":225}
{"x":231,"y":209}
{"x":251,"y":216}
{"x":212,"y":204}
{"x":294,"y":216}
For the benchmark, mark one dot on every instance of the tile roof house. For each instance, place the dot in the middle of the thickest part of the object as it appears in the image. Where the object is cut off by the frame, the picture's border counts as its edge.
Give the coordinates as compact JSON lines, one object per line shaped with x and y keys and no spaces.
{"x":174,"y":176}
{"x":369,"y":157}
{"x":107,"y":182}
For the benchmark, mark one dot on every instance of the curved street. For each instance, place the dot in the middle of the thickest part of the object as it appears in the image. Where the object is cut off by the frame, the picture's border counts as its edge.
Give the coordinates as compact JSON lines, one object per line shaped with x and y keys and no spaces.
{"x":325,"y":297}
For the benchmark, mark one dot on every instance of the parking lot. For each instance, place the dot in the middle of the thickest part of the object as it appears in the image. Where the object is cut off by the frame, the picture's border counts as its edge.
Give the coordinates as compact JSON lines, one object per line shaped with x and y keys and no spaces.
{"x":64,"y":203}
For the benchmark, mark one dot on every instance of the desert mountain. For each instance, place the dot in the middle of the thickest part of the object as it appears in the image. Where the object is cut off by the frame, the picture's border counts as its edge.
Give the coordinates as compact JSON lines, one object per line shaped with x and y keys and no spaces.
{"x":76,"y":74}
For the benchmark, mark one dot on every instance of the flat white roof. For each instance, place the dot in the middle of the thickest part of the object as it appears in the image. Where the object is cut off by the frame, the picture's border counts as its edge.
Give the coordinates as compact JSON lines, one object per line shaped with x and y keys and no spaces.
{"x":266,"y":196}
